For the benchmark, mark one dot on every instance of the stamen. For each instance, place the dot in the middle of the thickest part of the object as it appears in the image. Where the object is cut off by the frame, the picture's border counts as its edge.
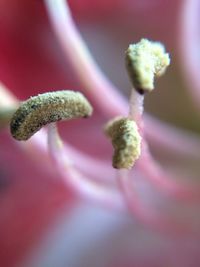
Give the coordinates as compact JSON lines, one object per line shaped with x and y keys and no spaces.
{"x":146,"y":60}
{"x":126,"y":141}
{"x":45,"y":108}
{"x":99,"y":87}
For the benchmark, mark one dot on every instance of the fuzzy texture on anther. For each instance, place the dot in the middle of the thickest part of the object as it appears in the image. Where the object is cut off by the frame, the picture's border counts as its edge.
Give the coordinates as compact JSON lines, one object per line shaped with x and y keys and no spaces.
{"x":45,"y":108}
{"x":126,"y":141}
{"x":145,"y":61}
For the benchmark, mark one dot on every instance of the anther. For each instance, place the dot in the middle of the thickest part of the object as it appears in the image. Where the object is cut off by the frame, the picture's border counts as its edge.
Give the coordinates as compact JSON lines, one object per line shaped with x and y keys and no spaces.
{"x":145,"y":61}
{"x":126,"y":141}
{"x":45,"y":108}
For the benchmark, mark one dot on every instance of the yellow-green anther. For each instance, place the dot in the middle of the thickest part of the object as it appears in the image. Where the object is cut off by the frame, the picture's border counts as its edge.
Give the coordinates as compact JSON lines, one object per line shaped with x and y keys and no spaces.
{"x":126,"y":141}
{"x":145,"y":61}
{"x":45,"y":108}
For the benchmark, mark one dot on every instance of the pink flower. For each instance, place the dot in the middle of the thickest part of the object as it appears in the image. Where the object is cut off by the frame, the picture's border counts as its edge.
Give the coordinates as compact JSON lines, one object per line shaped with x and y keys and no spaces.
{"x":74,"y":209}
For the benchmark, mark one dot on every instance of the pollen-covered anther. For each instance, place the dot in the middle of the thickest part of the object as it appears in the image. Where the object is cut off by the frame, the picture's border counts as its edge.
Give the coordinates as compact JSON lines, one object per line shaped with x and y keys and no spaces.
{"x":126,"y":141}
{"x":145,"y":61}
{"x":45,"y":108}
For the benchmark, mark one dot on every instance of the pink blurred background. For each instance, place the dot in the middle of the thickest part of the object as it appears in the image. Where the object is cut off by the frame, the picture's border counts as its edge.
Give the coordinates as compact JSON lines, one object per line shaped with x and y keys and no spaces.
{"x":42,"y":224}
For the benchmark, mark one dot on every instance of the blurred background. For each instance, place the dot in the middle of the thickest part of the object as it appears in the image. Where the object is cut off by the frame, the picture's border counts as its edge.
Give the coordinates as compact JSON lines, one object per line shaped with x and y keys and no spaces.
{"x":42,"y":224}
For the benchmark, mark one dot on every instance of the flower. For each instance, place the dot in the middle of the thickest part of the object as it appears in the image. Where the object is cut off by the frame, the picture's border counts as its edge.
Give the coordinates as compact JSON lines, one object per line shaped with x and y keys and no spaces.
{"x":37,"y":228}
